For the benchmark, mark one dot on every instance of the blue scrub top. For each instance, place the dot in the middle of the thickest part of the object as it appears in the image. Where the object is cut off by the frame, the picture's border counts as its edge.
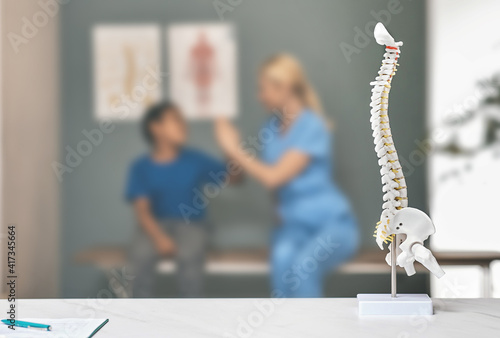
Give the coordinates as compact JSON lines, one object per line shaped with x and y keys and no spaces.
{"x":310,"y":198}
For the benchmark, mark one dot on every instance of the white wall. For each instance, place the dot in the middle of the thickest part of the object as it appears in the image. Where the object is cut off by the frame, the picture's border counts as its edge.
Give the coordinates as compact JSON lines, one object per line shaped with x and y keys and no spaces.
{"x":30,"y":134}
{"x":464,"y":47}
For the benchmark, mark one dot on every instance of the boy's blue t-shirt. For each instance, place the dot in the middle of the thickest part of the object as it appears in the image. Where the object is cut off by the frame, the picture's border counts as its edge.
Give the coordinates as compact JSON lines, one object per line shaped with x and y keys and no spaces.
{"x":176,"y":189}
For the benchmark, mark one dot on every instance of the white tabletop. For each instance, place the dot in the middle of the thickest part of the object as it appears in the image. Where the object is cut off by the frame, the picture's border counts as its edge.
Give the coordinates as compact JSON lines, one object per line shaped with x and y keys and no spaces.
{"x":245,"y":318}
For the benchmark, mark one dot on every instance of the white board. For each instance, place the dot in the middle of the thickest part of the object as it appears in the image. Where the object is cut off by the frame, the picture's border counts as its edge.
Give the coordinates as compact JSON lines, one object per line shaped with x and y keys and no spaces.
{"x":464,"y":188}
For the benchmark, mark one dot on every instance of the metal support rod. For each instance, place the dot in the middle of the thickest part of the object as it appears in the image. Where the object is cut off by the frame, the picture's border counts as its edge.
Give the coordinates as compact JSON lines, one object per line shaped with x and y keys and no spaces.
{"x":393,"y":267}
{"x":486,"y":281}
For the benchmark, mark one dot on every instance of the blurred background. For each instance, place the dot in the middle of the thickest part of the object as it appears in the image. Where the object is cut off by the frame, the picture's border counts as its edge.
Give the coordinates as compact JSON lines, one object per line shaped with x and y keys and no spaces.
{"x":69,"y":69}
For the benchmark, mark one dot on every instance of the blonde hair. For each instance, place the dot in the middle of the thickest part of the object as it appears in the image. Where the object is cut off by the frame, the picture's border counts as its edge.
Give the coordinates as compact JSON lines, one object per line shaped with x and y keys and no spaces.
{"x":284,"y":68}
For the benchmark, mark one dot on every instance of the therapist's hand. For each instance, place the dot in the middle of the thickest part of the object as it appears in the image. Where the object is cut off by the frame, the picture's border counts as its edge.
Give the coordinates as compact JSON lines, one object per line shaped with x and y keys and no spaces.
{"x":227,"y":136}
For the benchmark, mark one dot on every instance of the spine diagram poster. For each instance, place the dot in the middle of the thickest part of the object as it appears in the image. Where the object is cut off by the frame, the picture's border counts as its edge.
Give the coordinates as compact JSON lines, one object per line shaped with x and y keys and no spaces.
{"x":127,"y":75}
{"x":202,"y":69}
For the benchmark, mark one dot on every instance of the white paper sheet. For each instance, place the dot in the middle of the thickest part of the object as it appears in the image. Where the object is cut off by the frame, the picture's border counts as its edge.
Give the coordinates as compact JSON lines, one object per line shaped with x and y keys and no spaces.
{"x":61,"y":328}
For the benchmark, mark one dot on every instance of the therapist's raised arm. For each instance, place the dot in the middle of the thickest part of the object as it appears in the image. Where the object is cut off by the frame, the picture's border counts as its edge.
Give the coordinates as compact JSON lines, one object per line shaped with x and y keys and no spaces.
{"x":272,"y":176}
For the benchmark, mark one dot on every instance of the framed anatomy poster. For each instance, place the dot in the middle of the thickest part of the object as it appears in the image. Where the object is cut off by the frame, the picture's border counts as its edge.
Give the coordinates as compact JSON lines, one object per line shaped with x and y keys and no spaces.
{"x":202,"y":69}
{"x":127,"y":76}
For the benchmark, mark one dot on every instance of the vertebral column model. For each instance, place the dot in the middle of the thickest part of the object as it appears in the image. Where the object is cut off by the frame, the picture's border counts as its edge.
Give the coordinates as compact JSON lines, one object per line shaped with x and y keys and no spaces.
{"x":409,"y":227}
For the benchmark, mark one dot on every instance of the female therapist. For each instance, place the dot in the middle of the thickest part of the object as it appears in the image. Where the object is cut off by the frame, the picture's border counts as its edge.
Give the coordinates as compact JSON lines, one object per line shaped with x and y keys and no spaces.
{"x":317,"y":230}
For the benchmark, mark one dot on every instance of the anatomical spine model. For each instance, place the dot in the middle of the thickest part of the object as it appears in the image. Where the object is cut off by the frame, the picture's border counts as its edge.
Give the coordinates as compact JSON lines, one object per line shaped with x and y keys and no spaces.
{"x":408,"y":227}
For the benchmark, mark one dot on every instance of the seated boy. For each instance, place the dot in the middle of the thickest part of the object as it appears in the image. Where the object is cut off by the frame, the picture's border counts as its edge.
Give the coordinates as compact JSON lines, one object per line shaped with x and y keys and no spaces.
{"x":163,"y":187}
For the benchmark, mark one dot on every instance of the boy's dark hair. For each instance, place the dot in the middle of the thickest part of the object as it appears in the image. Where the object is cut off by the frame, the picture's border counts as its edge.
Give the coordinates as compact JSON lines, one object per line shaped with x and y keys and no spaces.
{"x":154,"y":114}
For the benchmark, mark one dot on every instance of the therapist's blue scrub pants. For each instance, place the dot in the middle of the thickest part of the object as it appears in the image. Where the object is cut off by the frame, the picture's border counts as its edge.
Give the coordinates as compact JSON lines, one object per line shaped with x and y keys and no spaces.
{"x":302,"y":255}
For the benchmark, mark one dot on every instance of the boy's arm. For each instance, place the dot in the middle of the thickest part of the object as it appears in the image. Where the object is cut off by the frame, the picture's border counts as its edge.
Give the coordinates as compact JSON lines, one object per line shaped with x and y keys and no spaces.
{"x":163,"y":243}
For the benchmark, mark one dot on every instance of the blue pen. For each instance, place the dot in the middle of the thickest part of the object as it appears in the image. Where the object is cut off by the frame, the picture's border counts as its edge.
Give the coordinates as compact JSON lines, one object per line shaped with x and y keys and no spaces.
{"x":28,"y":325}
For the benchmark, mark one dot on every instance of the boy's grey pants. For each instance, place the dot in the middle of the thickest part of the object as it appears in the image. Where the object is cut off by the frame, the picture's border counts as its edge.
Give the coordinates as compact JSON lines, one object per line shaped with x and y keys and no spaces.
{"x":191,"y":242}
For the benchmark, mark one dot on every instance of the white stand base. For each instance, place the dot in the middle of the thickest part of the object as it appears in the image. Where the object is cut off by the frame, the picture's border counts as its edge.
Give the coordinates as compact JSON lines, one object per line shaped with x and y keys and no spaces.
{"x":403,"y":304}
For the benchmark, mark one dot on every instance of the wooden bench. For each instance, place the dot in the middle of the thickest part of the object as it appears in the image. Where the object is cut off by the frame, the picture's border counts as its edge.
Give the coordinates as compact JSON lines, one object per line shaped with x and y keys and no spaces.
{"x":108,"y":259}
